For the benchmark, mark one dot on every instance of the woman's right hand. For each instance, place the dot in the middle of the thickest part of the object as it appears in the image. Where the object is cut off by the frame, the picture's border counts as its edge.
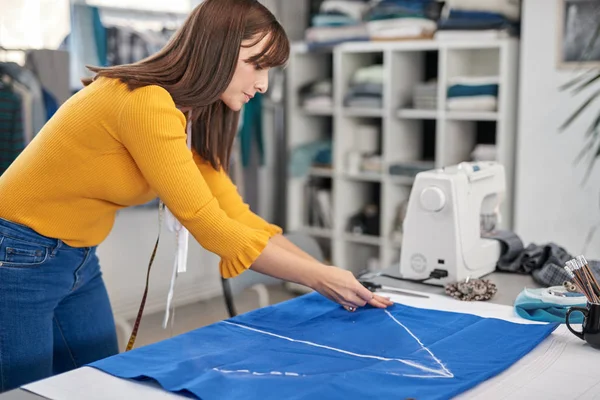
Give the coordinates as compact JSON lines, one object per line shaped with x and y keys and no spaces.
{"x":334,"y":283}
{"x":342,"y":287}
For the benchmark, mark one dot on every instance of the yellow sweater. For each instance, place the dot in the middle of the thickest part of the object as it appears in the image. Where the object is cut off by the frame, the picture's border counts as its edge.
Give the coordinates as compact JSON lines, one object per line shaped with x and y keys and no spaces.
{"x":108,"y":148}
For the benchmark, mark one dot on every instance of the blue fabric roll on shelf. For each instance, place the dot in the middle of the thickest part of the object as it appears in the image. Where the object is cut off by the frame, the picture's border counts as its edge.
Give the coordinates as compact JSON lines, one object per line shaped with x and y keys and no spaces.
{"x":310,"y":347}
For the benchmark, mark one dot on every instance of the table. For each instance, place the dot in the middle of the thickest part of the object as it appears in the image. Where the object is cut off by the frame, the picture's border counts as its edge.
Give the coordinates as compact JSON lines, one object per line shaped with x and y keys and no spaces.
{"x":541,"y":374}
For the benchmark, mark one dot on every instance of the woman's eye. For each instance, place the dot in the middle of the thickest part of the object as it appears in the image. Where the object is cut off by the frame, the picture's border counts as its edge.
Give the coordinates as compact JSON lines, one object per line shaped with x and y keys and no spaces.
{"x":258,"y":66}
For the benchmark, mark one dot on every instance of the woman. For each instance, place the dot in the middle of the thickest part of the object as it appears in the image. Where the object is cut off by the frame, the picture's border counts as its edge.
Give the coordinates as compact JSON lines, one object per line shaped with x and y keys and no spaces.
{"x":119,"y":142}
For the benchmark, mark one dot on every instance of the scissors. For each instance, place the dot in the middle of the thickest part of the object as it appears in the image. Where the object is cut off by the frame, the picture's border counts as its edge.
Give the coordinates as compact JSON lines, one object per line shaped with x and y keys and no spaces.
{"x":373,"y":287}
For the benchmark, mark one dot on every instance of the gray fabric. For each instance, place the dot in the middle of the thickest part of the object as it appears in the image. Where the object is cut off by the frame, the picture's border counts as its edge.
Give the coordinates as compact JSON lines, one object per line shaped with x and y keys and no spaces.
{"x":545,"y":262}
{"x":361,"y":101}
{"x":52,"y":69}
{"x":365,"y":89}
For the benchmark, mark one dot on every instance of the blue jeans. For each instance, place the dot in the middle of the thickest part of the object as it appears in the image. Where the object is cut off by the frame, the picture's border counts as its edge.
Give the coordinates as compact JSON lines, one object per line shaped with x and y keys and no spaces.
{"x":55,"y":314}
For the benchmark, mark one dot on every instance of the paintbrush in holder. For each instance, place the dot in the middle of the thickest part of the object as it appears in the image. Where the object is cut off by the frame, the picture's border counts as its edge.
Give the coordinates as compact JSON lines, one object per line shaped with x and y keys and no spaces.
{"x":585,"y":281}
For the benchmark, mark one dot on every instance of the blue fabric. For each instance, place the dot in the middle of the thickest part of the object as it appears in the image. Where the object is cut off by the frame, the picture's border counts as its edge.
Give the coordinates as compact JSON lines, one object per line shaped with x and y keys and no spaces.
{"x":50,"y":103}
{"x":472,"y":90}
{"x":305,"y":155}
{"x":55,"y":313}
{"x":477,"y":15}
{"x":535,"y":309}
{"x":252,"y":129}
{"x":100,"y":37}
{"x":310,"y":348}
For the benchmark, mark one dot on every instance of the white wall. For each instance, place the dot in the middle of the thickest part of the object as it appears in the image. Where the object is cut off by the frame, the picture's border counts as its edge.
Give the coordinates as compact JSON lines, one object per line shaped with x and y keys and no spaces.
{"x":551,"y":204}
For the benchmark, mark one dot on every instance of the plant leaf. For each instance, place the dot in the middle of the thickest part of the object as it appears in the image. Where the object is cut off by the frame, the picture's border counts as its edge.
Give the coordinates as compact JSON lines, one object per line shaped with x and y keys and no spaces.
{"x":581,"y":108}
{"x":591,"y":165}
{"x":576,"y":80}
{"x":593,"y":129}
{"x":587,"y":83}
{"x":586,"y":149}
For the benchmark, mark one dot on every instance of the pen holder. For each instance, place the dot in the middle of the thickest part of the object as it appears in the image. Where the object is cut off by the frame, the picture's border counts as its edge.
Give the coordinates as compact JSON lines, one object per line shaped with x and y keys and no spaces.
{"x":590,"y":328}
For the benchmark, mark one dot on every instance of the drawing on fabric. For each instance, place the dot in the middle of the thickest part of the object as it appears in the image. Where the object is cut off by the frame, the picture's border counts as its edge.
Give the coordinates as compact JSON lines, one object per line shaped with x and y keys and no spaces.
{"x":245,"y":371}
{"x":423,"y":370}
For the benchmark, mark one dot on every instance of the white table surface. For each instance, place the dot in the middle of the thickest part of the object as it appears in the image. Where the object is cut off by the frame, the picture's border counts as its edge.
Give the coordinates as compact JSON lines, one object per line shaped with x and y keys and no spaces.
{"x":561,"y":367}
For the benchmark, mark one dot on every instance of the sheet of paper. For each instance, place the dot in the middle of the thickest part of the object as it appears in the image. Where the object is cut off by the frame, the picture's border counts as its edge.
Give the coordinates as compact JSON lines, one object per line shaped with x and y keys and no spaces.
{"x":92,"y":384}
{"x":562,"y":367}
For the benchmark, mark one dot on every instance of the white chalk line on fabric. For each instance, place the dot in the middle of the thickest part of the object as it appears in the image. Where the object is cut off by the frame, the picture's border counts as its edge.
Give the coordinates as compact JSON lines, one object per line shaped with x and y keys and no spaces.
{"x":433,"y":373}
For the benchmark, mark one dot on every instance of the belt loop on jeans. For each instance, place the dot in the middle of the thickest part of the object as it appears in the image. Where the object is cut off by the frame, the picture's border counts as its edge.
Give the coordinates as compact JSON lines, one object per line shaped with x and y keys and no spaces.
{"x":59,"y":244}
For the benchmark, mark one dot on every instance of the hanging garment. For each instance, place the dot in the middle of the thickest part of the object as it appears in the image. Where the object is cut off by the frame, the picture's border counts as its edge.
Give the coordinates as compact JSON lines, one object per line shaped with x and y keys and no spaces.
{"x":51,"y":68}
{"x":11,"y":126}
{"x":311,"y":348}
{"x":36,"y":115}
{"x":82,"y":44}
{"x":252,"y":129}
{"x":26,"y":115}
{"x":50,"y":103}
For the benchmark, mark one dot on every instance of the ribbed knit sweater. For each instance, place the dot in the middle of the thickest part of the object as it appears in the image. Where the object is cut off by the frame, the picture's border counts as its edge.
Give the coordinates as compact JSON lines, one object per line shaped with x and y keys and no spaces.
{"x":108,"y":148}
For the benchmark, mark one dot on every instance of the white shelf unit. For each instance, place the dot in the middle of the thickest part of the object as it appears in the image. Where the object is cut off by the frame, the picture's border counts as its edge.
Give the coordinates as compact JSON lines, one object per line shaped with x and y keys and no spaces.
{"x":438,"y":135}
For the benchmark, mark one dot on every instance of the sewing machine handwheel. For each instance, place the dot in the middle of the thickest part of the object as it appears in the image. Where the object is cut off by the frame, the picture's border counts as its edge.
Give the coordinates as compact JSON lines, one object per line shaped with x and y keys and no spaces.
{"x":432,"y":199}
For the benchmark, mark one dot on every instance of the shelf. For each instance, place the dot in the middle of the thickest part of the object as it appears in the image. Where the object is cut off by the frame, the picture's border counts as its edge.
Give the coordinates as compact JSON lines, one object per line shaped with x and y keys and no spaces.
{"x":363,"y":239}
{"x":322,"y":172}
{"x":362,"y":112}
{"x":471,"y":116}
{"x":364,"y":176}
{"x":328,"y":111}
{"x":318,"y":232}
{"x":401,"y":180}
{"x":401,"y":132}
{"x":411,"y":113}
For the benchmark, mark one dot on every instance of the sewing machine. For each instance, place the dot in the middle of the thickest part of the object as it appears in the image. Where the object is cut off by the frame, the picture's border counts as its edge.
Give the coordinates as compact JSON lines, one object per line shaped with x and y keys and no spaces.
{"x":449,"y":210}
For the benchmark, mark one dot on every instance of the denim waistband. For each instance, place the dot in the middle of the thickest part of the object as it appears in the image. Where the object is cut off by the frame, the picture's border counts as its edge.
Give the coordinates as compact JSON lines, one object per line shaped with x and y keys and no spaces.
{"x":18,"y":231}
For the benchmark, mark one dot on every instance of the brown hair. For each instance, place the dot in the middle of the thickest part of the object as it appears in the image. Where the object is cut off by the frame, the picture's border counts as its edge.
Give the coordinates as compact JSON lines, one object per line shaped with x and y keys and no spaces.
{"x":198,"y":63}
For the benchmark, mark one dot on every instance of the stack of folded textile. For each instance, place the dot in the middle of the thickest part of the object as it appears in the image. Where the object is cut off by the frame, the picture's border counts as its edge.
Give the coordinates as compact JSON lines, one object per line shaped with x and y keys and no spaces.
{"x":317,"y":95}
{"x":403,"y":19}
{"x":479,"y":19}
{"x":473,"y":94}
{"x":338,"y":21}
{"x":425,"y":95}
{"x":366,"y":88}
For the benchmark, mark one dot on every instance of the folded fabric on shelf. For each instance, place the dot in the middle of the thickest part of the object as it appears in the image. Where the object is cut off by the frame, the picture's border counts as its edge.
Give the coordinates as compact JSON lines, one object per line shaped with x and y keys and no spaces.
{"x":363,"y":102}
{"x":401,"y":28}
{"x":468,"y":93}
{"x":352,"y":9}
{"x":410,"y":168}
{"x":457,"y":34}
{"x":366,"y":88}
{"x":472,"y":103}
{"x":317,"y":95}
{"x":325,"y":36}
{"x":511,"y":9}
{"x":472,"y":90}
{"x":332,"y":19}
{"x":303,"y":157}
{"x":477,"y":20}
{"x":370,"y":74}
{"x":425,"y":95}
{"x":386,"y":9}
{"x":484,"y":152}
